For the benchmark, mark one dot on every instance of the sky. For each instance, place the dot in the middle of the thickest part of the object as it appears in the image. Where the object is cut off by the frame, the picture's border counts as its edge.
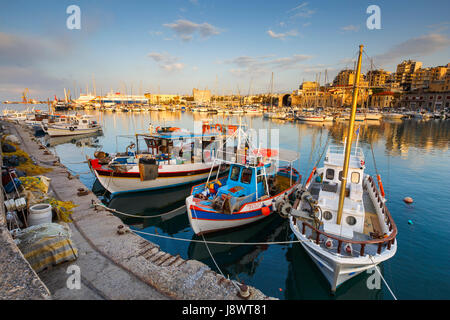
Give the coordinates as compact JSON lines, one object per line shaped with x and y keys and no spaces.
{"x":229,"y":47}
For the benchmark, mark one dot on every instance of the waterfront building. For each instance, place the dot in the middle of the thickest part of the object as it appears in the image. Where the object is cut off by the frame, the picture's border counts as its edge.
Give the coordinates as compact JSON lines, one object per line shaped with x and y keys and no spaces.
{"x":201,"y":96}
{"x":405,"y":73}
{"x":378,"y":78}
{"x":346,"y":77}
{"x":425,"y":99}
{"x":163,"y":98}
{"x":384,"y":99}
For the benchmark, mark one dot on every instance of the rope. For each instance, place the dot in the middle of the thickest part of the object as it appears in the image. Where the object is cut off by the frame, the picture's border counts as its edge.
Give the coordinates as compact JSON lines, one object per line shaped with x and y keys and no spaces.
{"x":389,"y":288}
{"x":218,"y":242}
{"x":138,"y":216}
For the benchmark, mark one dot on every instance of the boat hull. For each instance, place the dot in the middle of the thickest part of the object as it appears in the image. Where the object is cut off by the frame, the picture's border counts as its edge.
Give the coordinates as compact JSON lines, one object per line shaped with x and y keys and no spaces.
{"x":61,"y":132}
{"x":338,"y":268}
{"x":205,"y":220}
{"x":131,"y":181}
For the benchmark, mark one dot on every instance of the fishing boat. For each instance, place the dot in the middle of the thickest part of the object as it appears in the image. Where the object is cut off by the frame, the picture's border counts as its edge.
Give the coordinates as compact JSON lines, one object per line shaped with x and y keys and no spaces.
{"x":345,"y":227}
{"x":78,"y":126}
{"x":314,"y":118}
{"x":172,"y":157}
{"x":255,"y":187}
{"x":393,"y":115}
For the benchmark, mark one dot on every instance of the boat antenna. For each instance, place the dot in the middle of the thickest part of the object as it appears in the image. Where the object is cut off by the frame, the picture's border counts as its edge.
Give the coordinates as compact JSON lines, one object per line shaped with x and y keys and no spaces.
{"x":348,"y":145}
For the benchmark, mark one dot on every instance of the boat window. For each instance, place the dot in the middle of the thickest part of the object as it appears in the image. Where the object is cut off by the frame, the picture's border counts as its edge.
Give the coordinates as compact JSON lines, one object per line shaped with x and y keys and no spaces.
{"x":260,"y":177}
{"x":327,"y":215}
{"x":246,"y":175}
{"x":355,"y":177}
{"x":330,"y":174}
{"x":235,"y":173}
{"x":340,"y":175}
{"x":351,"y":220}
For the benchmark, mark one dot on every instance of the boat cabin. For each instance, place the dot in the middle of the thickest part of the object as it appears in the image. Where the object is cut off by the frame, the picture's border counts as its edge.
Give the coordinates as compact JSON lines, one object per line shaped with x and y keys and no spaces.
{"x":327,"y":188}
{"x":244,"y":181}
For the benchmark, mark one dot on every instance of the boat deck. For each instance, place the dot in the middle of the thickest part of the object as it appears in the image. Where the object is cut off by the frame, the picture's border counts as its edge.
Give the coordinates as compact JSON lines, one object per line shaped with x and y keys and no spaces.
{"x":371,"y":222}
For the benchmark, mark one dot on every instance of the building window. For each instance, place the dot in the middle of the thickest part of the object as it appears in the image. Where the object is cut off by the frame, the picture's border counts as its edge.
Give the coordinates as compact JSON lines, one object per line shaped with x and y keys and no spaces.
{"x":330,"y":174}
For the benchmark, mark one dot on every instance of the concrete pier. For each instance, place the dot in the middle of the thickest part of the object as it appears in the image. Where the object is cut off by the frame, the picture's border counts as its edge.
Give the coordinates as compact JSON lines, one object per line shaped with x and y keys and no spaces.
{"x":113,"y":265}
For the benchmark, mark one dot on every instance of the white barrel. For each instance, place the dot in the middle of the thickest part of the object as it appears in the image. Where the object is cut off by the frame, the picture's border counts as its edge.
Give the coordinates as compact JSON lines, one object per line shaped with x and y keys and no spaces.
{"x":40,"y":213}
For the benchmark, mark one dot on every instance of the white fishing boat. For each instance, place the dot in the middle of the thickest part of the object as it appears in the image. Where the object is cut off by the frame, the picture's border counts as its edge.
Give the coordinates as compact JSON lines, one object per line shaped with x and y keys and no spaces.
{"x":314,"y":118}
{"x":373,"y":115}
{"x":255,"y":187}
{"x":173,"y":157}
{"x":345,"y":227}
{"x":82,"y":125}
{"x":393,"y":115}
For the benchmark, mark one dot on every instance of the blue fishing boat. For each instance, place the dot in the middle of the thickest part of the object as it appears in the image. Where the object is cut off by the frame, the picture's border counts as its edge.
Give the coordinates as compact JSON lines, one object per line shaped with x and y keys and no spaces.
{"x":256,"y":187}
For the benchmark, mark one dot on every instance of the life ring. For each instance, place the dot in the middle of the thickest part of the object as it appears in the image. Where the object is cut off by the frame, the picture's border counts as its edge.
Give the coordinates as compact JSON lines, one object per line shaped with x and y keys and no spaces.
{"x":348,"y":248}
{"x":363,"y":162}
{"x":329,"y":243}
{"x":218,"y":127}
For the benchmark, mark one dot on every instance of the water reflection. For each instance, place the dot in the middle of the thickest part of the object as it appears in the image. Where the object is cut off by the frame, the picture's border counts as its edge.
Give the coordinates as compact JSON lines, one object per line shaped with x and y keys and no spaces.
{"x":302,"y":281}
{"x":238,"y":260}
{"x":84,"y":140}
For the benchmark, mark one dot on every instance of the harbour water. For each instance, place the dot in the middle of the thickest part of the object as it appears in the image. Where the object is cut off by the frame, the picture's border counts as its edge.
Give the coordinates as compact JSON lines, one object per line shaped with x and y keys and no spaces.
{"x":411,"y":156}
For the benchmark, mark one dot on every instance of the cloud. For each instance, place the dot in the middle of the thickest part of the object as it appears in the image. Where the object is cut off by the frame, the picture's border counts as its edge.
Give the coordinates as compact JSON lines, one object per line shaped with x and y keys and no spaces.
{"x":194,"y":2}
{"x":439,"y":27}
{"x":24,"y":50}
{"x":264,"y":64}
{"x":155,"y":33}
{"x":302,"y":11}
{"x":21,"y":59}
{"x":302,"y":5}
{"x":350,"y":28}
{"x":282,"y":36}
{"x":414,"y":47}
{"x":186,"y":29}
{"x":14,"y":79}
{"x":166,"y":61}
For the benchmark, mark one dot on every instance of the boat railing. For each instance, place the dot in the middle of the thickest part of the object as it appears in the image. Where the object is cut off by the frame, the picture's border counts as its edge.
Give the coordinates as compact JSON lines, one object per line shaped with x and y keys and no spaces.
{"x":387,"y":241}
{"x":340,"y":150}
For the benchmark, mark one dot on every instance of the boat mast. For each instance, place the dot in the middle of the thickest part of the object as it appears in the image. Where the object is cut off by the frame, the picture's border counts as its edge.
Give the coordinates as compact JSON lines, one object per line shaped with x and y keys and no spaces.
{"x":348,"y":145}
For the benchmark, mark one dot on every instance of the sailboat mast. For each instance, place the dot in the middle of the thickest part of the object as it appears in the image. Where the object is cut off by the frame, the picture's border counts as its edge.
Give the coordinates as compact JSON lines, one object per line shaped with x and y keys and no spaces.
{"x":348,"y":145}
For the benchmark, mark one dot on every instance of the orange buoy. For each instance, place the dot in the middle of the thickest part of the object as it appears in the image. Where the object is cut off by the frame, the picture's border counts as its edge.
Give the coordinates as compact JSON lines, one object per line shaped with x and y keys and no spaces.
{"x":265,"y":211}
{"x":408,"y":200}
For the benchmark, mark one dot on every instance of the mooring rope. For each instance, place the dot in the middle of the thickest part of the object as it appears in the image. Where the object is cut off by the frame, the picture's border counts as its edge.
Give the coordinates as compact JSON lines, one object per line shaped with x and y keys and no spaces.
{"x":217,"y":242}
{"x":212,"y":257}
{"x":138,"y":216}
{"x":385,"y":282}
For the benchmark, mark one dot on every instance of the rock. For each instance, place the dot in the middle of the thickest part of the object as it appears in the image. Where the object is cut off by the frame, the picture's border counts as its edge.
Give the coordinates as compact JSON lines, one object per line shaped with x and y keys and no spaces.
{"x":8,"y":148}
{"x":13,"y":139}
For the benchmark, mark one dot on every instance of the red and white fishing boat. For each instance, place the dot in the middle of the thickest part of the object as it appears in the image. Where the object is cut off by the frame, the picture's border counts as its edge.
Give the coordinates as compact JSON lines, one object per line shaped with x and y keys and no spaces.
{"x":173,"y":157}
